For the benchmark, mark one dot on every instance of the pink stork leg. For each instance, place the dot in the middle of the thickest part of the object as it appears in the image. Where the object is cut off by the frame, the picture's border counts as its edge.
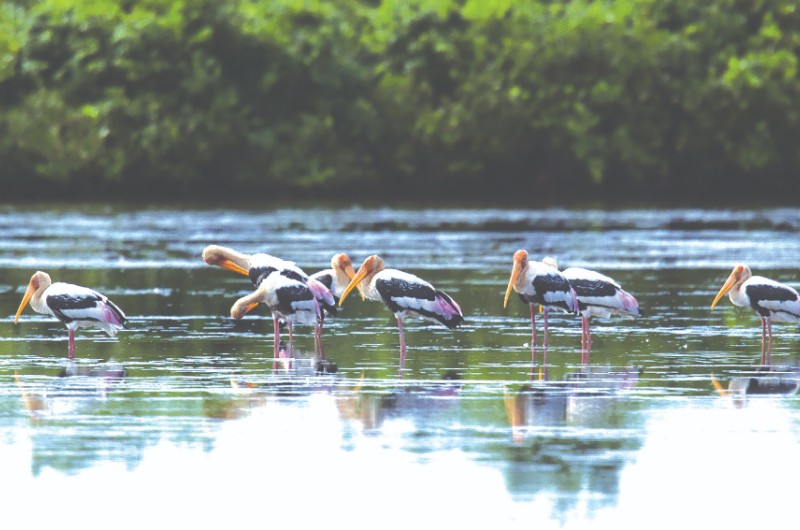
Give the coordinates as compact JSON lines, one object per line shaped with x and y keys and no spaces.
{"x":71,"y":344}
{"x":769,"y":342}
{"x":763,"y":340}
{"x":545,"y":315}
{"x":276,"y":340}
{"x":318,"y":336}
{"x":291,"y":339}
{"x":402,"y":344}
{"x":586,"y":340}
{"x":533,"y":334}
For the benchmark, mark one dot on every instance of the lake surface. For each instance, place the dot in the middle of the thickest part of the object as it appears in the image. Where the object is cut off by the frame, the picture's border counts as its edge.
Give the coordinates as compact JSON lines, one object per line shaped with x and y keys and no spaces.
{"x":187,"y":415}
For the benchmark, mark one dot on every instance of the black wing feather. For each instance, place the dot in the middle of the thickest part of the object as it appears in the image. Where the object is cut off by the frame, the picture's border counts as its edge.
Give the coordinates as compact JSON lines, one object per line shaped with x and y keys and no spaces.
{"x":397,"y":288}
{"x":590,"y":288}
{"x":324,"y":279}
{"x":64,"y":302}
{"x":259,"y":274}
{"x":292,"y":293}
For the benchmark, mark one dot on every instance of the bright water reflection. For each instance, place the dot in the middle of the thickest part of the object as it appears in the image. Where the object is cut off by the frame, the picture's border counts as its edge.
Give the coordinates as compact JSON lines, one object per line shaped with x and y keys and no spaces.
{"x":188,"y":409}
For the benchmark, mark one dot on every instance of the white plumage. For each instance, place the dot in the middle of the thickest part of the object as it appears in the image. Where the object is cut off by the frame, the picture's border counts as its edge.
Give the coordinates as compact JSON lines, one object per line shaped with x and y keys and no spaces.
{"x":773,"y":301}
{"x":405,"y":295}
{"x":539,"y":284}
{"x":74,"y":305}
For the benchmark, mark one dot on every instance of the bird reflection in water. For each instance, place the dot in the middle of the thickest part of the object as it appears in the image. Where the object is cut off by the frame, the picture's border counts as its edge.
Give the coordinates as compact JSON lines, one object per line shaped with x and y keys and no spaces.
{"x":291,"y":378}
{"x":581,"y":399}
{"x":370,"y":408}
{"x":76,"y":386}
{"x":784,"y":382}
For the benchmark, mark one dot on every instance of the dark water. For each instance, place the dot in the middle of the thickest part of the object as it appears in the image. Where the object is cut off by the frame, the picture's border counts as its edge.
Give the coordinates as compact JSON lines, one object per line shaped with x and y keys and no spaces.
{"x":188,"y":413}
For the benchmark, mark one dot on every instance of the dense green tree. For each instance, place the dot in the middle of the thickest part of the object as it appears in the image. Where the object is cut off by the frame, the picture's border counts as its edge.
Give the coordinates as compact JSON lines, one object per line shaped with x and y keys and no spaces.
{"x":537,"y":99}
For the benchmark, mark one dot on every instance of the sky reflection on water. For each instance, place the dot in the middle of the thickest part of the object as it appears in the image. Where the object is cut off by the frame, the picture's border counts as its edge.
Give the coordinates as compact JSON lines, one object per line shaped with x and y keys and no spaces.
{"x":295,"y":462}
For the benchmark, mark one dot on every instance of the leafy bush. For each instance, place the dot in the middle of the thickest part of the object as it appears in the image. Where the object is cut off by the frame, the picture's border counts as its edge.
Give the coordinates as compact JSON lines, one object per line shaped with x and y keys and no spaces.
{"x":533,"y":99}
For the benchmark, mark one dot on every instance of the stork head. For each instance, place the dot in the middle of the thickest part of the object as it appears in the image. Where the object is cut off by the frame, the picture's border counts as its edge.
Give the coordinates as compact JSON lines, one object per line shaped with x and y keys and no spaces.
{"x":227,"y":258}
{"x":741,"y":273}
{"x":371,"y":266}
{"x":38,"y":283}
{"x":341,"y":264}
{"x":247,"y":303}
{"x":520,"y":263}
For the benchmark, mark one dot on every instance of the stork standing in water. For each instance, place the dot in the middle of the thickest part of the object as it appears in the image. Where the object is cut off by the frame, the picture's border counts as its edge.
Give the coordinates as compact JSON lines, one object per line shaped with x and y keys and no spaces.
{"x":404,"y":295}
{"x":336,"y":279}
{"x":539,"y":285}
{"x":75,"y":306}
{"x":260,"y":266}
{"x":598,"y":295}
{"x":288,"y":299}
{"x":770,"y":299}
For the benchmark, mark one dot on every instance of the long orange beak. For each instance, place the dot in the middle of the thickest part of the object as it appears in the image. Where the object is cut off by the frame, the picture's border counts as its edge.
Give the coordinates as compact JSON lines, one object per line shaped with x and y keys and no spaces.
{"x":515,"y":272}
{"x":249,"y":307}
{"x":360,"y":275}
{"x":725,"y":288}
{"x":231,"y":266}
{"x":25,"y":299}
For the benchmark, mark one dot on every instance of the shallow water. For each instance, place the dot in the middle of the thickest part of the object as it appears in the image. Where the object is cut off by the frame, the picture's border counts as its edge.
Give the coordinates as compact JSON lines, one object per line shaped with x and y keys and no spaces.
{"x":188,"y":408}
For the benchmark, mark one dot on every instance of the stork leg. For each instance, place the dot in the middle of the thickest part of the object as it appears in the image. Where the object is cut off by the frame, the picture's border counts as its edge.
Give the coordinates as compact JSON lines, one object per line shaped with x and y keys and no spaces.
{"x":318,"y":337}
{"x":276,"y":341}
{"x":769,"y":343}
{"x":586,"y":340}
{"x":276,"y":334}
{"x":543,"y":371}
{"x":402,"y":344}
{"x":545,"y":315}
{"x":291,"y":340}
{"x":71,"y":344}
{"x":533,"y":333}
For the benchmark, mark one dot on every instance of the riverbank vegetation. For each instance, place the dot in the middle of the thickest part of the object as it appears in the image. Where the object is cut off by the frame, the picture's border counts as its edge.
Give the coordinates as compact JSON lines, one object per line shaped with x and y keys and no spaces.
{"x":544,"y":99}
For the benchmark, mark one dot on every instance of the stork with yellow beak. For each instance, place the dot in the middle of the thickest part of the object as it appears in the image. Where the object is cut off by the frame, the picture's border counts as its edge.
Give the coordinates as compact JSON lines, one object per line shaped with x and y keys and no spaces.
{"x":772,"y":301}
{"x":260,"y":266}
{"x":539,"y":285}
{"x":404,"y":295}
{"x":73,"y":305}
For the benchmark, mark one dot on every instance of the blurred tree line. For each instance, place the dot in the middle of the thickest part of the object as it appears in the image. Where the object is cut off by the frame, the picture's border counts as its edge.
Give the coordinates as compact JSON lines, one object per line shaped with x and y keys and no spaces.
{"x":524,"y":98}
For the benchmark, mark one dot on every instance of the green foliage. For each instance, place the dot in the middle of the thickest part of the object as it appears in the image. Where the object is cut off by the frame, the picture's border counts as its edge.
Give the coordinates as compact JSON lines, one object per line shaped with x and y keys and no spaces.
{"x":508,"y":95}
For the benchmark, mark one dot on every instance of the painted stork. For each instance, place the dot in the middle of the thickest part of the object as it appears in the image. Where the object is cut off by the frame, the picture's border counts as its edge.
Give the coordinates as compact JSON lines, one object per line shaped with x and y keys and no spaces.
{"x":260,"y":266}
{"x":404,"y":295}
{"x":336,"y":279}
{"x":772,"y":301}
{"x":598,"y":295}
{"x":289,"y":300}
{"x":539,"y":284}
{"x":75,"y":306}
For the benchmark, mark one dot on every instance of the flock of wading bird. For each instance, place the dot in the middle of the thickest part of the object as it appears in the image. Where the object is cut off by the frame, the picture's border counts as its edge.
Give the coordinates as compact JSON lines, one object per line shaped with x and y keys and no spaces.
{"x":294,"y":297}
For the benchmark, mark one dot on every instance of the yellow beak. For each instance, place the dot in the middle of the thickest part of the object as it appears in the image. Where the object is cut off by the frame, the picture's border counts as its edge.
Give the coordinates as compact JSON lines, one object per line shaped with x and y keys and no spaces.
{"x":360,"y":275}
{"x":725,"y":288}
{"x":231,"y":266}
{"x":515,"y":272}
{"x":25,"y":299}
{"x":249,"y":307}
